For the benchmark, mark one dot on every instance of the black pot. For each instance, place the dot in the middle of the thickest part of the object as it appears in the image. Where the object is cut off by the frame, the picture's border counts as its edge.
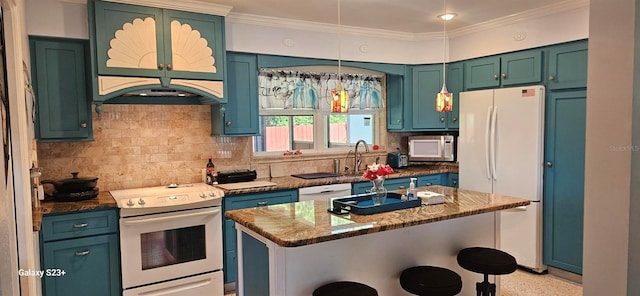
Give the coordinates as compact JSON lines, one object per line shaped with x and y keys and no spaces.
{"x":74,"y":184}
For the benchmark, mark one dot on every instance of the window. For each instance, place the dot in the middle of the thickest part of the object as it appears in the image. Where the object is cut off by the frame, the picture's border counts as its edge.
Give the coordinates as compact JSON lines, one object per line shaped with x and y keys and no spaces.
{"x":296,"y":111}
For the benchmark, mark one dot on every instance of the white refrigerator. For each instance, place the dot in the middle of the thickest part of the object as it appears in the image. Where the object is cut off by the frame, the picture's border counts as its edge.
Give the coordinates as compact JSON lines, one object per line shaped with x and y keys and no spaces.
{"x":500,"y":151}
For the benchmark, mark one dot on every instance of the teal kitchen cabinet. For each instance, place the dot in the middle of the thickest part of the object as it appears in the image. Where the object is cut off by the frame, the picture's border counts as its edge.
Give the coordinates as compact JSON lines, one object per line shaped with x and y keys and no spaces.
{"x":242,"y":201}
{"x":452,"y":180}
{"x":63,"y":109}
{"x":141,"y":41}
{"x":564,"y":180}
{"x":239,"y":117}
{"x":255,"y":266}
{"x":426,"y":83}
{"x":512,"y":69}
{"x":395,"y":102}
{"x":428,"y":180}
{"x":567,"y":66}
{"x":455,"y":85}
{"x":80,"y":253}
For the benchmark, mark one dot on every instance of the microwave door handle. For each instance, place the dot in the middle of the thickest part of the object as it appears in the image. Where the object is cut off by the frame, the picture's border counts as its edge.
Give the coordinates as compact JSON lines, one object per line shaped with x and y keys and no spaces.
{"x":494,"y":142}
{"x":486,"y":143}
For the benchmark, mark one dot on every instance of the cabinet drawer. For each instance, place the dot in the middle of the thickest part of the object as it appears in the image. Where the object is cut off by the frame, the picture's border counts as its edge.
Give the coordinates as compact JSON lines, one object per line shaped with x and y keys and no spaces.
{"x":79,"y":224}
{"x":258,"y":200}
{"x":429,"y":180}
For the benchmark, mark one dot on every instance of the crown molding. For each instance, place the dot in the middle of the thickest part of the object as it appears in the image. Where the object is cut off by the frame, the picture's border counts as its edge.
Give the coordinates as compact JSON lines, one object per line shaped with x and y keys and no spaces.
{"x":199,"y":6}
{"x":519,"y":17}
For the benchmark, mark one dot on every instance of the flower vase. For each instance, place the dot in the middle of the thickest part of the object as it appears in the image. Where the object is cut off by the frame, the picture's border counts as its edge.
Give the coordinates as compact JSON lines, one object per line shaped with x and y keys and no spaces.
{"x":378,"y":192}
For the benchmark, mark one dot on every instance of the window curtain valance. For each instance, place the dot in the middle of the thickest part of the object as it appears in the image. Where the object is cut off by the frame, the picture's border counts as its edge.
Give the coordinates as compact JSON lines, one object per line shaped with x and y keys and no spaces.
{"x":312,"y":90}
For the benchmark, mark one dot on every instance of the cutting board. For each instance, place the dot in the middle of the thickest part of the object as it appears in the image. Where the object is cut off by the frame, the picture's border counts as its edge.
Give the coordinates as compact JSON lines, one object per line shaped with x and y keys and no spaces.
{"x":244,"y":185}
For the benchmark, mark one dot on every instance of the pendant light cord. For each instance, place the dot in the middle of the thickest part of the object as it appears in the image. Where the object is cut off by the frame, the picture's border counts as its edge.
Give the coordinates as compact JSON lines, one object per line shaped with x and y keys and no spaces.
{"x":339,"y":48}
{"x":444,"y":47}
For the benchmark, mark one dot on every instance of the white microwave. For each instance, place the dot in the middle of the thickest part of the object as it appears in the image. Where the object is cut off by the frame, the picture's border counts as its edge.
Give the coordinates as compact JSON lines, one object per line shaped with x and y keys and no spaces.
{"x":431,"y":148}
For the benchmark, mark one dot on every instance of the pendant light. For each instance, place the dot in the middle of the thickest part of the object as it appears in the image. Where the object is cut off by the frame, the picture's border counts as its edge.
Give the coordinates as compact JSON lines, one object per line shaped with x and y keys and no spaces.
{"x":444,"y":99}
{"x":340,"y":97}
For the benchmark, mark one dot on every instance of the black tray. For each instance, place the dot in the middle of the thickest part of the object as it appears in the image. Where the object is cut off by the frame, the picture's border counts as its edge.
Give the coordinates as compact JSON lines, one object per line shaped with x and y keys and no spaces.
{"x":362,"y":204}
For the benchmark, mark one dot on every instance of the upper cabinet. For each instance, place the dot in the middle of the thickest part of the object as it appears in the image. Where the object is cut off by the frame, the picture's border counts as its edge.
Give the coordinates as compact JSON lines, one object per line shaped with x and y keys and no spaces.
{"x":239,"y":117}
{"x":137,"y":46}
{"x":568,"y":66}
{"x":426,"y":83}
{"x":511,"y":69}
{"x":59,"y":68}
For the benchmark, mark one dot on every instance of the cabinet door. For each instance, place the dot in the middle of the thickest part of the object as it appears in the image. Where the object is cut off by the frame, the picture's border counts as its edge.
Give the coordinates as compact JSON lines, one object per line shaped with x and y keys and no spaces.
{"x":241,"y":114}
{"x":568,"y":66}
{"x":128,"y":40}
{"x":193,"y":45}
{"x":521,"y":68}
{"x":59,"y":78}
{"x":395,"y":84}
{"x":255,"y":266}
{"x":482,"y":73}
{"x":564,"y":180}
{"x":453,"y":180}
{"x":455,"y":84}
{"x":232,"y":202}
{"x":429,"y":180}
{"x":426,"y":83}
{"x":91,"y":266}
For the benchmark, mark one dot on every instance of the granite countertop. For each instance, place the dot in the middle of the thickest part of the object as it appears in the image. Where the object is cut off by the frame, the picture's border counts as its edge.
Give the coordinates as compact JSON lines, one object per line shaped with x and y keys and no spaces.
{"x":103,"y":200}
{"x":288,"y":182}
{"x":308,"y":222}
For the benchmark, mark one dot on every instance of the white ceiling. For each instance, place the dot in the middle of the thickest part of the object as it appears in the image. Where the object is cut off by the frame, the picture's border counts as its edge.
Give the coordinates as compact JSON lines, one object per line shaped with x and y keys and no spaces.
{"x":405,"y":16}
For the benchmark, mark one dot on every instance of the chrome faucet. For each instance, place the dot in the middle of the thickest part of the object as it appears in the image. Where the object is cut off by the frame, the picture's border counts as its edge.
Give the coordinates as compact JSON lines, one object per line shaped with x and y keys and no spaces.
{"x":358,"y":157}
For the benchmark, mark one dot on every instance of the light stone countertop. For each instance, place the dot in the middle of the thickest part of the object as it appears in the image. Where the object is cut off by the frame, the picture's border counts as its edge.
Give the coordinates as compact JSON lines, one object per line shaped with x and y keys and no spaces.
{"x":308,"y":222}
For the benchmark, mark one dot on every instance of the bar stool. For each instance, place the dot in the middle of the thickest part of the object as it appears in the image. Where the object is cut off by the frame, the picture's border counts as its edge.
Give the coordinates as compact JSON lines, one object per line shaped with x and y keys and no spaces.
{"x":430,"y":281}
{"x":345,"y":288}
{"x":486,"y":261}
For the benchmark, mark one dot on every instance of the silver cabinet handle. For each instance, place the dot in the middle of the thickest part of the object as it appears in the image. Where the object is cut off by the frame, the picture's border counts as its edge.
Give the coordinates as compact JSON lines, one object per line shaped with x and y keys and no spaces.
{"x":549,"y":164}
{"x":454,"y":119}
{"x":160,"y":66}
{"x":228,"y":123}
{"x":402,"y":187}
{"x":551,"y":77}
{"x":169,"y":67}
{"x":504,"y":75}
{"x":495,"y":76}
{"x":398,"y":121}
{"x":83,"y":124}
{"x":429,"y":184}
{"x":441,"y":119}
{"x":263,"y":203}
{"x":83,"y":253}
{"x":80,"y":225}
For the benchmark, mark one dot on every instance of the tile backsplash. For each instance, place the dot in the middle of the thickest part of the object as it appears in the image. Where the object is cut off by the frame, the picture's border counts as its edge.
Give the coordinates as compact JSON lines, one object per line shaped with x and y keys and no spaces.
{"x":153,"y":145}
{"x":145,"y":145}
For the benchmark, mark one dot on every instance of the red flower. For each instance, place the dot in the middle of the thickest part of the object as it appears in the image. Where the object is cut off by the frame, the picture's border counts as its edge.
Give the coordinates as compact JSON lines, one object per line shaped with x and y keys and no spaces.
{"x":377,"y":171}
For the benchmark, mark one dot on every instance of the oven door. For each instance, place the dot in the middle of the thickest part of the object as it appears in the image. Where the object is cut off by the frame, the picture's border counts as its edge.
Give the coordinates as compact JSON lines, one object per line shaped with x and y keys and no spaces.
{"x":167,"y":246}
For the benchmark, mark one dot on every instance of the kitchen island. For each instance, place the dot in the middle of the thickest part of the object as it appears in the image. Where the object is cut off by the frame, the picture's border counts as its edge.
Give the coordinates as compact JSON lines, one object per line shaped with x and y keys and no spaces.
{"x":291,"y":249}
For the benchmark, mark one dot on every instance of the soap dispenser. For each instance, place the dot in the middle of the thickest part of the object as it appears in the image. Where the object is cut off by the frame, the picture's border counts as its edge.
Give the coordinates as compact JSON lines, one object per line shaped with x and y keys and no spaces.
{"x":411,"y":192}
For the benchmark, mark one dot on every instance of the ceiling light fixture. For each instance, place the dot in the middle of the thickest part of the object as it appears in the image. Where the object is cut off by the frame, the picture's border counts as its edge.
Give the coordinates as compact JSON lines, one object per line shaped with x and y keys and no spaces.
{"x":447,"y":16}
{"x":444,"y":99}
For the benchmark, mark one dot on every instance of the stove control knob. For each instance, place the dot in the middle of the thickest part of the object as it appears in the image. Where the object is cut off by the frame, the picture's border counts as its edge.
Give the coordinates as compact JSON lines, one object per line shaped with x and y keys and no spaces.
{"x":203,"y":195}
{"x":212,"y":194}
{"x":130,"y":203}
{"x":141,"y":202}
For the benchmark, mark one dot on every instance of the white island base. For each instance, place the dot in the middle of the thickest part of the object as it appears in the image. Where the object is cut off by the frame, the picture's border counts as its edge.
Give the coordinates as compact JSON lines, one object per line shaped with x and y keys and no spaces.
{"x":375,"y":259}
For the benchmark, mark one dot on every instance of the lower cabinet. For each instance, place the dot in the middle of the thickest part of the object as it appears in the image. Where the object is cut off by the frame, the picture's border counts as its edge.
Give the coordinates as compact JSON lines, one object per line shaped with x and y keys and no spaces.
{"x":452,"y":180}
{"x":242,"y":201}
{"x":80,"y":254}
{"x":429,"y":180}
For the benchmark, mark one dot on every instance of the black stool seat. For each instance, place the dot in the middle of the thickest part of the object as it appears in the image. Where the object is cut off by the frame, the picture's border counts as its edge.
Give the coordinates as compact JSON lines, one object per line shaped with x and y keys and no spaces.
{"x":487,"y":261}
{"x":431,"y":281}
{"x":345,"y":289}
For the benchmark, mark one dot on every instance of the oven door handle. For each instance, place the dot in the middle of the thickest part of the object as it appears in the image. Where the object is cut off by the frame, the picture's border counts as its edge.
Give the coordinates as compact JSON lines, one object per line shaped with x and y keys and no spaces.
{"x":173,"y":217}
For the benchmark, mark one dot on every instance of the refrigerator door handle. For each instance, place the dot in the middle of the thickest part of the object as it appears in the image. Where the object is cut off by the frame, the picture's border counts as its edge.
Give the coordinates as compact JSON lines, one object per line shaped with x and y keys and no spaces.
{"x":494,"y":142}
{"x":486,"y":142}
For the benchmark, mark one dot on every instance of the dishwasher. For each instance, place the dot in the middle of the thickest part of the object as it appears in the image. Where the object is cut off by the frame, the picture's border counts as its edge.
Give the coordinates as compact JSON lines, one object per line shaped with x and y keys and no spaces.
{"x":324,"y":192}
